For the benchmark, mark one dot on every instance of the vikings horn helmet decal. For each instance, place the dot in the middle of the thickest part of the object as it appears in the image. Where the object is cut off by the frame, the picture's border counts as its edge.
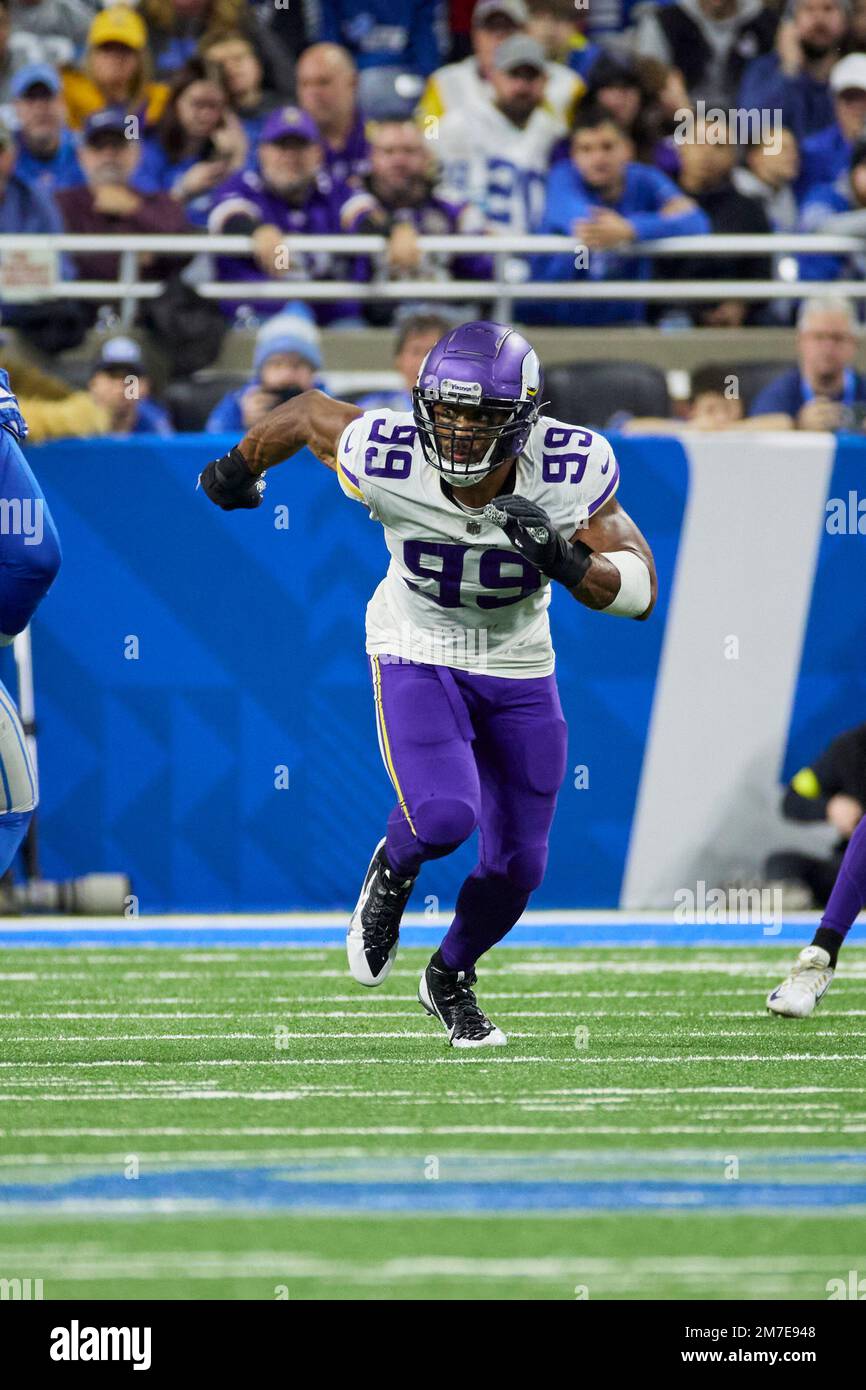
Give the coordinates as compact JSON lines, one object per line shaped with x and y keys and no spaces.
{"x":488,"y":366}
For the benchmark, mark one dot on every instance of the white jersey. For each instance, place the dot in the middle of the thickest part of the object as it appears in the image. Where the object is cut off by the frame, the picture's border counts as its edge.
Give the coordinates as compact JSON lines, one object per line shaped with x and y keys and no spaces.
{"x":457,"y":593}
{"x":459,"y":85}
{"x":487,"y":160}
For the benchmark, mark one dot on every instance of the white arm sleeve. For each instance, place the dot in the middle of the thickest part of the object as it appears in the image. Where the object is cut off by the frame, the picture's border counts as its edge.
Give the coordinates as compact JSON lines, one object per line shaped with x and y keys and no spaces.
{"x":635,"y":590}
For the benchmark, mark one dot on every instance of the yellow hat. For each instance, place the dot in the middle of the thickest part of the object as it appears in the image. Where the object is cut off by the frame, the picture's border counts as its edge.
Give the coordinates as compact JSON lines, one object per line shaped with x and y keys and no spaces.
{"x":118,"y":25}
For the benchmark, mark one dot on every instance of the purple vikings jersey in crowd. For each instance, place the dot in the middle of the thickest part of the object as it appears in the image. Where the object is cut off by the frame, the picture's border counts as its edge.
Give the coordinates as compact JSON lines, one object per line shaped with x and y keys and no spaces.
{"x":436,"y":216}
{"x":352,"y":161}
{"x":246,"y":195}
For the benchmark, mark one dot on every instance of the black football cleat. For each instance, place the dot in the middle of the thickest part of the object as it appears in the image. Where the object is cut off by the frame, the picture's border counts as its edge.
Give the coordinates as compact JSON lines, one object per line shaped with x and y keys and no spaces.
{"x":374,"y":928}
{"x":448,"y":996}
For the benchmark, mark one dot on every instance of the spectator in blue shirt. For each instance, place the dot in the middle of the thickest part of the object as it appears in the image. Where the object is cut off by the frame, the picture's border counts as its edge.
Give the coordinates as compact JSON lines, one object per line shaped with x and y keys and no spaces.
{"x":197,"y":145}
{"x":837,"y":208}
{"x":23,"y":208}
{"x":392,"y":43}
{"x":826,"y":154}
{"x":819,"y":393}
{"x":120,"y":383}
{"x":630,"y":90}
{"x":604,"y":201}
{"x":47,"y":151}
{"x":794,"y":79}
{"x":286,"y":360}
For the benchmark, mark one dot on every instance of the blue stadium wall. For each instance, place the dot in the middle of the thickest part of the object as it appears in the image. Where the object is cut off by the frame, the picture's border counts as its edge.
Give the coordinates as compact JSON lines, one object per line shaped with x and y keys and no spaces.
{"x":185,"y":655}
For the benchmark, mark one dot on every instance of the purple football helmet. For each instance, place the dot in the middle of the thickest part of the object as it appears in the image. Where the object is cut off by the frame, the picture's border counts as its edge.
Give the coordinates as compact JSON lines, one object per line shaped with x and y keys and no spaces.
{"x":488,"y":366}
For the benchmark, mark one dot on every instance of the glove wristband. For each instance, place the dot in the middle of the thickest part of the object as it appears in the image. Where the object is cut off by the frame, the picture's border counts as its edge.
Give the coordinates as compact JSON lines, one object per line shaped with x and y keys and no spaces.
{"x":575,"y":562}
{"x":233,"y":470}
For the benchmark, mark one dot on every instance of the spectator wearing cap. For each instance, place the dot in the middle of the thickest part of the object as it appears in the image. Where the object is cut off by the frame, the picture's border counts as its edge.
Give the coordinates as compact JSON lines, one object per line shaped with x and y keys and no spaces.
{"x":198,"y":143}
{"x":109,"y":204}
{"x":61,"y":25}
{"x":604,"y":200}
{"x":242,"y":68}
{"x":286,"y":361}
{"x":417,"y":333}
{"x":837,"y":209}
{"x":287,"y":193}
{"x":395,"y":45}
{"x":497,"y":154}
{"x":47,"y":151}
{"x":17,"y":50}
{"x":819,"y":392}
{"x":327,"y":82}
{"x":709,"y":41}
{"x":120,"y":384}
{"x":401,"y":201}
{"x":460,"y":86}
{"x":826,"y":154}
{"x":795,"y":78}
{"x":116,"y":70}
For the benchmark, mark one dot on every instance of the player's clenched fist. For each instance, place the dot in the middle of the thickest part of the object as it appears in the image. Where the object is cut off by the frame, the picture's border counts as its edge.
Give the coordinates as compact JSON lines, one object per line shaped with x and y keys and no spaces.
{"x":229,"y":483}
{"x":532,"y":532}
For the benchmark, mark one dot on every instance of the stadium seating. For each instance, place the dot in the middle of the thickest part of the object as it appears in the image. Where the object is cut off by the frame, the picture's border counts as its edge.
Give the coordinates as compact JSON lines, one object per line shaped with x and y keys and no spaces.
{"x":594,"y":391}
{"x":754,"y":376}
{"x":191,"y":400}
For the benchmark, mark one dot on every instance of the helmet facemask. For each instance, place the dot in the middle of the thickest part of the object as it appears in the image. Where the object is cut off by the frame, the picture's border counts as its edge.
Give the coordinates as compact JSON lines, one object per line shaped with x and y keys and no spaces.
{"x":464,"y":454}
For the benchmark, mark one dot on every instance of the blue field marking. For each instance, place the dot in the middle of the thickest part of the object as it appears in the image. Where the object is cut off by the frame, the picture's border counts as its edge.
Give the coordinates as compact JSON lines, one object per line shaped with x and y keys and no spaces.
{"x":268,"y":1188}
{"x":549,"y":933}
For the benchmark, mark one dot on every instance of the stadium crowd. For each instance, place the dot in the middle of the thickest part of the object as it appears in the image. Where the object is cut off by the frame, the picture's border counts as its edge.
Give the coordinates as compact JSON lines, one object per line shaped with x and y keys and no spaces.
{"x":612,"y":123}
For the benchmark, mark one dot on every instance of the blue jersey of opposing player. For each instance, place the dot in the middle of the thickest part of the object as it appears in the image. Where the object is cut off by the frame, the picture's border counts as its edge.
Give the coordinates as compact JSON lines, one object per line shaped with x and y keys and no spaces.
{"x":29,"y":561}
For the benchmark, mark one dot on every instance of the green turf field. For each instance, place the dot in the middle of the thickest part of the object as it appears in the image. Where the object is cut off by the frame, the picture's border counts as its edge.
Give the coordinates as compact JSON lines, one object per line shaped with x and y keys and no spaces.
{"x":247,"y":1123}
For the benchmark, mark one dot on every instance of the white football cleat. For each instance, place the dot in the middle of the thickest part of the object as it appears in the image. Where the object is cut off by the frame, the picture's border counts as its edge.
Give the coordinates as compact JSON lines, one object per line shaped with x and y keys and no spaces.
{"x":374,"y":928}
{"x":811,"y":977}
{"x":448,"y":996}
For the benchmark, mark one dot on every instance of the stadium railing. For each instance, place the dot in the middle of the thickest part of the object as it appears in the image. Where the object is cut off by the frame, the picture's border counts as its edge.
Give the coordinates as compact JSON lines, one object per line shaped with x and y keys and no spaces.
{"x":504,"y":288}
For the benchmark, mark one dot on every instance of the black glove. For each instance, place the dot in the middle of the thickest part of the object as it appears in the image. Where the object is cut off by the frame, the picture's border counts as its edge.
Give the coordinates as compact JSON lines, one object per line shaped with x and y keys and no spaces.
{"x":532,"y":532}
{"x":229,"y":483}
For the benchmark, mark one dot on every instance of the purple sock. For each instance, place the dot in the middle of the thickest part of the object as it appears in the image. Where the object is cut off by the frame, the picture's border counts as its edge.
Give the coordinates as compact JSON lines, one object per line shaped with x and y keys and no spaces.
{"x":849,"y":890}
{"x":488,"y":905}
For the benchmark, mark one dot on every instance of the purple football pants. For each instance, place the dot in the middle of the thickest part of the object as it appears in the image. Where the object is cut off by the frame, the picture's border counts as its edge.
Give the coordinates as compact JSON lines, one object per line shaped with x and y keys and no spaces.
{"x":465,"y":750}
{"x":849,"y":891}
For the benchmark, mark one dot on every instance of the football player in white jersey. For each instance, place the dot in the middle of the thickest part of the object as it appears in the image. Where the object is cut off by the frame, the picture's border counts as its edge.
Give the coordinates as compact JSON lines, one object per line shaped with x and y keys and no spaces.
{"x":484,"y":502}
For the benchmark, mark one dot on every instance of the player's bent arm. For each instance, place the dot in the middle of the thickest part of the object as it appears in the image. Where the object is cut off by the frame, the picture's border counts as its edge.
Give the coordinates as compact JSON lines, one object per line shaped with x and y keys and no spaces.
{"x":621,"y":577}
{"x":312,"y":419}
